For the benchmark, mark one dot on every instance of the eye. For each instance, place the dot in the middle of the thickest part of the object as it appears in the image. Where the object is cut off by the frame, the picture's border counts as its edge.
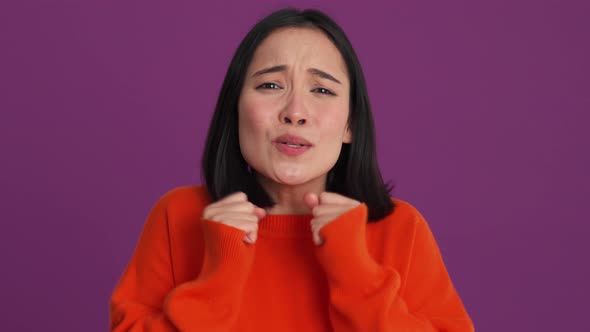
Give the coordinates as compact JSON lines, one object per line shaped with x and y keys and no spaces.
{"x":324,"y":91}
{"x":268,"y":85}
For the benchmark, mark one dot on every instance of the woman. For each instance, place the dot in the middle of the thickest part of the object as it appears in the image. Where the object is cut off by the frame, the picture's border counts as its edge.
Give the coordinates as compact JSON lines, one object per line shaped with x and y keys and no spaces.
{"x":294,"y":229}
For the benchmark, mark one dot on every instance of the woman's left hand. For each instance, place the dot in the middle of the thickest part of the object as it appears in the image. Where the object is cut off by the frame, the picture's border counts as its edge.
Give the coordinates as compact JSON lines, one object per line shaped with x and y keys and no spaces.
{"x":325,"y":208}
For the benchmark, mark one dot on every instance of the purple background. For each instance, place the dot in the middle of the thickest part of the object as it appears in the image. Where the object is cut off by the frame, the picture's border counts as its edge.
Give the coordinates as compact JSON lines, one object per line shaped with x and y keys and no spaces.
{"x":482,"y":120}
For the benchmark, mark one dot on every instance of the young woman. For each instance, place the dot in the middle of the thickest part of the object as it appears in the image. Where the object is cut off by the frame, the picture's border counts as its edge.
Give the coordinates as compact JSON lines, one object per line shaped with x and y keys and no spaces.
{"x":294,"y":229}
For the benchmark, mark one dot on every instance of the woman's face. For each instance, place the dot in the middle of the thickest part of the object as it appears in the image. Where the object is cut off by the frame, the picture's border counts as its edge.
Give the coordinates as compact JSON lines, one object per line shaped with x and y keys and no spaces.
{"x":294,"y":107}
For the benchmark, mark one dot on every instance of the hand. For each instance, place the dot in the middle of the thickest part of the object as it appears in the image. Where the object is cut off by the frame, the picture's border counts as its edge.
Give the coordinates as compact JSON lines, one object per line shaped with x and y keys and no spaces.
{"x":236,"y":211}
{"x":325,"y":208}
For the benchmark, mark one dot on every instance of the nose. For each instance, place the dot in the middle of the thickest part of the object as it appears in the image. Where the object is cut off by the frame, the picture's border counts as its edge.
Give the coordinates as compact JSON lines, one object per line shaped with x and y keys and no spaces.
{"x":294,"y":112}
{"x":288,"y":120}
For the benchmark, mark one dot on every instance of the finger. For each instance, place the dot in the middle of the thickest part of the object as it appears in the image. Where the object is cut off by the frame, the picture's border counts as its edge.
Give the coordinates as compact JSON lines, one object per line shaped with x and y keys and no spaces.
{"x":311,"y":200}
{"x":334,"y":198}
{"x":244,"y":207}
{"x":251,"y":237}
{"x":231,"y":218}
{"x":260,"y":213}
{"x":250,"y":228}
{"x":235,"y":197}
{"x":318,"y":223}
{"x":335,"y":210}
{"x":317,"y":239}
{"x":247,"y":239}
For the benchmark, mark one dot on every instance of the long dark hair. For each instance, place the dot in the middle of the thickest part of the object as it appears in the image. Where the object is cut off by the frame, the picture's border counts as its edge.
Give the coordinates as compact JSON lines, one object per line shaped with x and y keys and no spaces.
{"x":355,"y":174}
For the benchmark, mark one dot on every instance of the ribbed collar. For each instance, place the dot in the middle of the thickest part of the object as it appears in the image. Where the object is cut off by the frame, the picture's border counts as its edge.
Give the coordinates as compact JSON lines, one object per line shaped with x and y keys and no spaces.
{"x":286,"y":225}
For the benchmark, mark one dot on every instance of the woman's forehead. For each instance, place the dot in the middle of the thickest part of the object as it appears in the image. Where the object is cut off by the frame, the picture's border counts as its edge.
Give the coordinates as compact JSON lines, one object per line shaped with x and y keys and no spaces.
{"x":301,"y":47}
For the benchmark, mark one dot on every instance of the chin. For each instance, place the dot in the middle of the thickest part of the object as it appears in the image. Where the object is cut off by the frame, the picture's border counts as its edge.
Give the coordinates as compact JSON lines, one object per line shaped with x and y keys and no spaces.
{"x":290,"y":176}
{"x":290,"y":180}
{"x":299,"y":179}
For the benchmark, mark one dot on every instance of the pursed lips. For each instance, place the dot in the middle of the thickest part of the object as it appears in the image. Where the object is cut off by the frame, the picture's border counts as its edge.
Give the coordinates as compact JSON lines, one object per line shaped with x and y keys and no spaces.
{"x":292,"y":145}
{"x":292,"y":140}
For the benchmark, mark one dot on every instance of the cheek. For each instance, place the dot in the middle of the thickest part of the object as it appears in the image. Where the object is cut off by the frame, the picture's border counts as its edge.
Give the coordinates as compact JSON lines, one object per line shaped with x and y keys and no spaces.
{"x":333,"y":122}
{"x":250,"y":115}
{"x":252,"y":123}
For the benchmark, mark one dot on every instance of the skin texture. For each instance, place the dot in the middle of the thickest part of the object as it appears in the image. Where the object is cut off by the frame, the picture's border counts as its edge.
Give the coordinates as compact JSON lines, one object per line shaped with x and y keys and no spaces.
{"x":235,"y":210}
{"x":325,"y":208}
{"x":228,"y":272}
{"x":306,"y":95}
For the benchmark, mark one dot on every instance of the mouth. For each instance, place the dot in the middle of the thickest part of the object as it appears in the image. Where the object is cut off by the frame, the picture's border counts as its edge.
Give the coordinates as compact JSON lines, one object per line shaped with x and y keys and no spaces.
{"x":292,"y":145}
{"x":292,"y":141}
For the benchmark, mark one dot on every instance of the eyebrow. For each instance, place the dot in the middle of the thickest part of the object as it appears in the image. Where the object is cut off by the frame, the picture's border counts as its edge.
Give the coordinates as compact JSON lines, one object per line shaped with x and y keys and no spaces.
{"x":323,"y":74}
{"x":313,"y":71}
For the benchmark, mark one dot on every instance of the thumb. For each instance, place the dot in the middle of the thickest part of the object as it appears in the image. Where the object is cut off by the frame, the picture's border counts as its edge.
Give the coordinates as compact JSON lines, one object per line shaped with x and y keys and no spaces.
{"x":260,"y":213}
{"x":250,"y":237}
{"x":311,"y":200}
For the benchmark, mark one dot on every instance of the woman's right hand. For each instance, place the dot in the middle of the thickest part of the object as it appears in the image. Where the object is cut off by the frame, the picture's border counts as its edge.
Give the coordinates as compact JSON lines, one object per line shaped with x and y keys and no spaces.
{"x":236,"y":211}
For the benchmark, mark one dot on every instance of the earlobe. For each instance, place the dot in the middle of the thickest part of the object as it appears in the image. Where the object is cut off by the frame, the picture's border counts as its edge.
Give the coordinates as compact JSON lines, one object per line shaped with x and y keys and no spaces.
{"x":347,"y":138}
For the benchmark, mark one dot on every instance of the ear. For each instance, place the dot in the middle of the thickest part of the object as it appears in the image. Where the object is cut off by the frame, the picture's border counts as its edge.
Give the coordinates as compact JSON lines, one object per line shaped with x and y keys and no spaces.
{"x":347,"y":138}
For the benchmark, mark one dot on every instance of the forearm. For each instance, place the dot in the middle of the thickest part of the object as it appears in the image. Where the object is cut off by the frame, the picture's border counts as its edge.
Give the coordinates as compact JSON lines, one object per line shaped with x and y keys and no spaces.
{"x":146,"y":298}
{"x":367,"y":296}
{"x":213,"y":299}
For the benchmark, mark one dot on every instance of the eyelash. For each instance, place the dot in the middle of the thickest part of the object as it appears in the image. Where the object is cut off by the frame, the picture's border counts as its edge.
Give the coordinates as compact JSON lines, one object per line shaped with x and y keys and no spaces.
{"x":327,"y":92}
{"x":320,"y":90}
{"x":266,"y":86}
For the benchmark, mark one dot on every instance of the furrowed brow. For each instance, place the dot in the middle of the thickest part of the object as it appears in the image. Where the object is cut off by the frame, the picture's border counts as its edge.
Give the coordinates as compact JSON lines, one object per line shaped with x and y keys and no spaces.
{"x":323,"y":74}
{"x":273,"y":69}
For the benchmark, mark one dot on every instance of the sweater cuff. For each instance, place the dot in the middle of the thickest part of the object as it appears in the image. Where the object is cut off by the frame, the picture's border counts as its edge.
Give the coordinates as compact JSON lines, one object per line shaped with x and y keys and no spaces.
{"x":226,"y":264}
{"x":214,"y":295}
{"x":225,"y":250}
{"x":344,"y":254}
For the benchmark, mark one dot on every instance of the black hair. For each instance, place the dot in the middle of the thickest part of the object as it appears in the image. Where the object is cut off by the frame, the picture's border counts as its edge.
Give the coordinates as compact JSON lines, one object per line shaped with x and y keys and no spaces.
{"x":355,"y":174}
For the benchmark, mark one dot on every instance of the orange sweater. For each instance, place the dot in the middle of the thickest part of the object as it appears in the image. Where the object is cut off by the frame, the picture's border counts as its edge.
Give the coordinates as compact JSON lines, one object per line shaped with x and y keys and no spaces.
{"x":189,"y":274}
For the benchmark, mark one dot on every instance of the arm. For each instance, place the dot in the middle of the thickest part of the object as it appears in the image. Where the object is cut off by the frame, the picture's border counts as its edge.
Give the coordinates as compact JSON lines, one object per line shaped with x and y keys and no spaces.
{"x":365,"y":296}
{"x":147,"y":299}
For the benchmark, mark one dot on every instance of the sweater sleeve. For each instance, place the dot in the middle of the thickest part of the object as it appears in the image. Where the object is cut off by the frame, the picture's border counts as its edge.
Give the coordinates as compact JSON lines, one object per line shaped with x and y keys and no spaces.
{"x":147,"y":298}
{"x":366,"y":296}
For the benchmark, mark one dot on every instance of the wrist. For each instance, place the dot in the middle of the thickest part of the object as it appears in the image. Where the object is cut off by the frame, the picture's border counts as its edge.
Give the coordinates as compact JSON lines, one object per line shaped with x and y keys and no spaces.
{"x":344,"y":255}
{"x":224,"y":249}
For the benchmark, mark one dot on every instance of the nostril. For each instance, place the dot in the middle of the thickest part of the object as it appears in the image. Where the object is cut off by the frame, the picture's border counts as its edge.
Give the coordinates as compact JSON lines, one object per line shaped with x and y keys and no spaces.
{"x":301,"y":121}
{"x":287,"y":120}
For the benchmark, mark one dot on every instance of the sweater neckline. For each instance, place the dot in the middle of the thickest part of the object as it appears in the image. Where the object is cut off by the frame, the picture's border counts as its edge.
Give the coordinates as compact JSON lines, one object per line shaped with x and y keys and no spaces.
{"x":286,"y":225}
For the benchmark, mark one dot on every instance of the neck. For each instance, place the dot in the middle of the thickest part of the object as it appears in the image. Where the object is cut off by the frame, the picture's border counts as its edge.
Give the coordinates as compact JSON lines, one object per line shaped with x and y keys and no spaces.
{"x":289,"y":198}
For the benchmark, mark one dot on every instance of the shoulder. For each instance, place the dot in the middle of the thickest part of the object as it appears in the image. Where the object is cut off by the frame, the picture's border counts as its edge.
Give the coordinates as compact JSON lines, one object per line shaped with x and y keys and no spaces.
{"x":184,"y":201}
{"x":404,"y":219}
{"x":403,"y":211}
{"x":190,"y":194}
{"x":397,"y":237}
